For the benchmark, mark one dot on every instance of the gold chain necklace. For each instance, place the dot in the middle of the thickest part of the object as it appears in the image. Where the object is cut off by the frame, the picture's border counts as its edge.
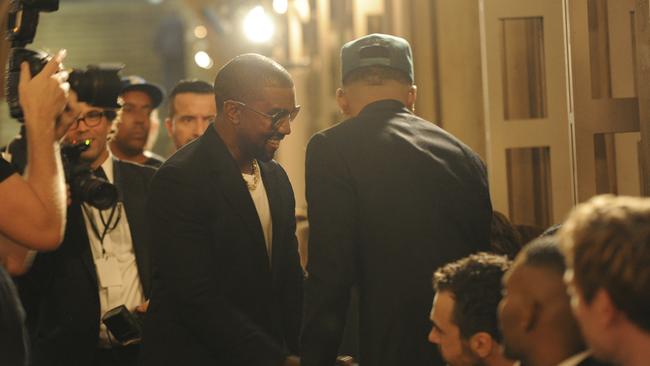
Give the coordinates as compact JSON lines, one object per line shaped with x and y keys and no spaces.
{"x":254,"y":172}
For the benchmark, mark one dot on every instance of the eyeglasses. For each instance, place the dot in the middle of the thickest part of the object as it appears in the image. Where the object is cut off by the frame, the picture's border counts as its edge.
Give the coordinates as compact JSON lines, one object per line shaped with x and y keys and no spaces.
{"x":276,"y":118}
{"x":92,"y":118}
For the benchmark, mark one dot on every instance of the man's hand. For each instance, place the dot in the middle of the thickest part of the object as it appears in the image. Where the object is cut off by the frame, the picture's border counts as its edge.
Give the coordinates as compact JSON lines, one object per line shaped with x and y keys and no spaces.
{"x":142,"y":308}
{"x":44,"y":96}
{"x":69,"y":115}
{"x":291,"y":361}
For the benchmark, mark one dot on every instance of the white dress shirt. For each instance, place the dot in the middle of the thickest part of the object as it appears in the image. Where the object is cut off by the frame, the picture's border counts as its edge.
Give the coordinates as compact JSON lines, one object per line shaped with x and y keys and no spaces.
{"x":119,"y":281}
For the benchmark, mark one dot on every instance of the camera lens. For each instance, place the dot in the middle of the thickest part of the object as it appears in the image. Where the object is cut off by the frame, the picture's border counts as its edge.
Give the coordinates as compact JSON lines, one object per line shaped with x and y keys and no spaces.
{"x":17,"y":56}
{"x":98,"y":85}
{"x":96,"y":191}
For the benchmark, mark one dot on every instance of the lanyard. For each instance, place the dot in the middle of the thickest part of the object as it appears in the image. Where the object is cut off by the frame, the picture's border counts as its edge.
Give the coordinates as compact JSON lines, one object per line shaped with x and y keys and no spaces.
{"x":108,"y":224}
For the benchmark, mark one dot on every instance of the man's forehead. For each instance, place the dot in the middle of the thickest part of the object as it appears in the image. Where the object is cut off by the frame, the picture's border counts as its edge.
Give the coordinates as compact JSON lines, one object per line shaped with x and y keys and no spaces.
{"x":136,"y":97}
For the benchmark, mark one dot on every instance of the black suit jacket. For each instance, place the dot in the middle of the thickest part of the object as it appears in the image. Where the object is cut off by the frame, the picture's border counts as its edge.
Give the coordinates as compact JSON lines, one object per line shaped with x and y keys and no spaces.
{"x":391,"y":197}
{"x":60,"y":292}
{"x":215,"y":299}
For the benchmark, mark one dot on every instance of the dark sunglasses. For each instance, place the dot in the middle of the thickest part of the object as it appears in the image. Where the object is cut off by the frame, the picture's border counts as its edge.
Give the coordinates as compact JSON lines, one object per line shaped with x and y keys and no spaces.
{"x":276,"y":118}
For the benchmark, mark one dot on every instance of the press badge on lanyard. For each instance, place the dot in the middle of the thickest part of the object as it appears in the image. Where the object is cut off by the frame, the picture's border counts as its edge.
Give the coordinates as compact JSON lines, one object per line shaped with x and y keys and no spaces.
{"x":108,"y":270}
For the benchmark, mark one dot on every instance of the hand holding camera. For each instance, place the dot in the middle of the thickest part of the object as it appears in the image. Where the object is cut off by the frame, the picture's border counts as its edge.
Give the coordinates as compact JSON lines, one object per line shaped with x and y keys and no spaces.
{"x":43,"y":96}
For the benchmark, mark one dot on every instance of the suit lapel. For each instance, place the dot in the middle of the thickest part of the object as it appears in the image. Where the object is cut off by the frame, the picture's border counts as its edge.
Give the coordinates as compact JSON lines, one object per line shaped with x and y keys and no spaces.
{"x":233,"y":185}
{"x":132,"y":195}
{"x":271,"y":184}
{"x":80,"y":238}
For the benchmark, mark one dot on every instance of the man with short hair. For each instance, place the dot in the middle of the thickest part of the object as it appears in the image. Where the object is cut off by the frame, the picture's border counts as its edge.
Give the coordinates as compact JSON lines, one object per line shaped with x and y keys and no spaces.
{"x":139,"y":99}
{"x":102,"y":263}
{"x":227,"y":276}
{"x":535,"y":312}
{"x":191,"y":110}
{"x":391,"y":198}
{"x":464,"y":312}
{"x":607,"y":244}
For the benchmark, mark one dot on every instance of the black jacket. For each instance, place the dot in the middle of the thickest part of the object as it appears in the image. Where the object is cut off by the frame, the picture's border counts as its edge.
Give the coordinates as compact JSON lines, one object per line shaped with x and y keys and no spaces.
{"x":215,"y":299}
{"x":60,"y":292}
{"x":391,"y":197}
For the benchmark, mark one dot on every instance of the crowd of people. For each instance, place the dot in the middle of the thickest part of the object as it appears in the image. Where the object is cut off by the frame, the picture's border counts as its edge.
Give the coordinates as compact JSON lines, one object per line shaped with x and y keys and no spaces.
{"x":197,"y":261}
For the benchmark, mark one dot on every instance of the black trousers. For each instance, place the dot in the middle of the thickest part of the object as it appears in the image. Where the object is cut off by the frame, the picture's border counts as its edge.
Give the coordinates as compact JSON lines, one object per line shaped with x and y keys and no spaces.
{"x":117,"y":356}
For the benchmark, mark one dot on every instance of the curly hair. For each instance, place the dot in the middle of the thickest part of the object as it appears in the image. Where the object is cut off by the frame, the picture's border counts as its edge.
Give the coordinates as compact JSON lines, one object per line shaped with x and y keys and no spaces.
{"x":607,"y":245}
{"x":475,"y":284}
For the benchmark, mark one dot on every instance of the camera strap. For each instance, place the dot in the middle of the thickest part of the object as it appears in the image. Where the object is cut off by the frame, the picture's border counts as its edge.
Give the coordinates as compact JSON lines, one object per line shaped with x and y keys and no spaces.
{"x":109,"y":224}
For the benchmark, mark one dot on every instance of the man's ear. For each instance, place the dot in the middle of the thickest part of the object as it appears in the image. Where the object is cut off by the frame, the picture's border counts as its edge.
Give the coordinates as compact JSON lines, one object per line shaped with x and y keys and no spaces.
{"x":232,"y":112}
{"x":481,"y":344}
{"x":412,"y":96}
{"x":530,"y":315}
{"x":342,"y":101}
{"x":604,"y":307}
{"x":169,"y":126}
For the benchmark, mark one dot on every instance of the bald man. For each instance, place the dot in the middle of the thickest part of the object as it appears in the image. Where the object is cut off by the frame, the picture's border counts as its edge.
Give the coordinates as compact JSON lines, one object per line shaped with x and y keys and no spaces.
{"x":535,"y":313}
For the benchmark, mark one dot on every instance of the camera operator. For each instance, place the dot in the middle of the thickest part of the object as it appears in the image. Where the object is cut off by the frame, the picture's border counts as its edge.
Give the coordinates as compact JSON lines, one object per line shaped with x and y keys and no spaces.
{"x":33,"y":214}
{"x":101,"y":264}
{"x":33,"y":211}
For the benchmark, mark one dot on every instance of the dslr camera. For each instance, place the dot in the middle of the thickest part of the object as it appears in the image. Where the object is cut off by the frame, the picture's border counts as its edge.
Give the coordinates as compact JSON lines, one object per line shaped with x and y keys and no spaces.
{"x":98,"y":85}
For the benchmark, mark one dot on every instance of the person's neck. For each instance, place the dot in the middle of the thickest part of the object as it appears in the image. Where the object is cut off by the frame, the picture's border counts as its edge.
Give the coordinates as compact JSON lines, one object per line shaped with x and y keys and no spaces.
{"x":134,"y":156}
{"x":551,"y":350}
{"x":633,"y":348}
{"x":100,"y":160}
{"x":243,"y":160}
{"x":498,"y":360}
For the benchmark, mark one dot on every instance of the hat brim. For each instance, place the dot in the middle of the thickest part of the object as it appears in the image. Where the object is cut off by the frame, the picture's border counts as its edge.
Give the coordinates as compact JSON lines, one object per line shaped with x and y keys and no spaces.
{"x":154,"y":92}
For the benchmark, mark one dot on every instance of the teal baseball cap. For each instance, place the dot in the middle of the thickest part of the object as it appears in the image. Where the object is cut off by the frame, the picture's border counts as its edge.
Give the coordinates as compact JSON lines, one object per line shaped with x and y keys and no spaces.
{"x":377,"y":50}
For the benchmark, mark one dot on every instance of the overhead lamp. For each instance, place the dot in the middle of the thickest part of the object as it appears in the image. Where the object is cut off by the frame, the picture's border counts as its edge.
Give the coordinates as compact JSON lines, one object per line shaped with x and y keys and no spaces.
{"x":258,"y":26}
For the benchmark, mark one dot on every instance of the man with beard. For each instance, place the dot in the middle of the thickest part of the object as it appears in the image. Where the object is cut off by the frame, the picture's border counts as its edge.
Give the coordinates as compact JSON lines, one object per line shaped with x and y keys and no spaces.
{"x":227,"y":276}
{"x":191,"y":110}
{"x":464,"y":312}
{"x":139,"y":99}
{"x":535,"y":312}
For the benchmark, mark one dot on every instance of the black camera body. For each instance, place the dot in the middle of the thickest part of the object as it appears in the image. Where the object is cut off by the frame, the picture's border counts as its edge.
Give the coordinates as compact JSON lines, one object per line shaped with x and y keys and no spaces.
{"x":124,"y":325}
{"x":84,"y":185}
{"x":98,"y":85}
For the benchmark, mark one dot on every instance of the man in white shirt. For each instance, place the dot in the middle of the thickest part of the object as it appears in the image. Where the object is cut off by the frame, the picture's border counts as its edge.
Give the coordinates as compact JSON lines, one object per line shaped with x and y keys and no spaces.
{"x":535,"y":312}
{"x":102,"y":263}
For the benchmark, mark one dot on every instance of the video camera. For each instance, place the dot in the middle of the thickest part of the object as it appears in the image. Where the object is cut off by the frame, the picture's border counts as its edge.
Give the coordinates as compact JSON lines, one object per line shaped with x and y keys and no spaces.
{"x":98,"y":86}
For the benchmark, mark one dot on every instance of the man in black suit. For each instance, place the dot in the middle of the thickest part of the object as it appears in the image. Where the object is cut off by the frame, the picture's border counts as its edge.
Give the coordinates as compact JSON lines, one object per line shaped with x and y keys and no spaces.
{"x":103,"y":262}
{"x":391,"y":197}
{"x":227,"y":276}
{"x":535,"y":311}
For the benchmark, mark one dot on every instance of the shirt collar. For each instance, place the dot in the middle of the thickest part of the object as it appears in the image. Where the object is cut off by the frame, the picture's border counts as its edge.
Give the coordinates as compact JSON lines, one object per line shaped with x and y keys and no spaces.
{"x":107,"y":165}
{"x":575,"y":359}
{"x":384,"y":104}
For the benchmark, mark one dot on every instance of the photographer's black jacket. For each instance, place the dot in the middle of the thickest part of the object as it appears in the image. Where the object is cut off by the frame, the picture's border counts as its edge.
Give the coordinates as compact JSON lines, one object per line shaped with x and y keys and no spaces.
{"x":60,"y":292}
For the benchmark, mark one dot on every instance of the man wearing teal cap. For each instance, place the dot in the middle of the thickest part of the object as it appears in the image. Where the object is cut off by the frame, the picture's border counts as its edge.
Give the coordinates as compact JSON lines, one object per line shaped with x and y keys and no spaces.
{"x":391,"y":197}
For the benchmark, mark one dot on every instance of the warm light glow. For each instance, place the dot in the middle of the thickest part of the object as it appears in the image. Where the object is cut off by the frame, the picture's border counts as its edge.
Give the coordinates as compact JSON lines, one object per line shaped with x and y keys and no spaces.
{"x":258,"y":26}
{"x":200,"y":31}
{"x":203,"y":60}
{"x":281,"y":6}
{"x":303,"y":9}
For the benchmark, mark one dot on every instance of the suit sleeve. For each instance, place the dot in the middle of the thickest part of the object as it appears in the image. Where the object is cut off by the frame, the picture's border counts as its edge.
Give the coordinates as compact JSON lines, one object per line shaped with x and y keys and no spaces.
{"x":183,"y":252}
{"x":332,"y":213}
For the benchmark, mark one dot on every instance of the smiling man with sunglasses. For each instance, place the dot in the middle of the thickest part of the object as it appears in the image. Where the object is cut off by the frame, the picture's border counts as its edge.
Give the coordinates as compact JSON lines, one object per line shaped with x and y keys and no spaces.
{"x":227,"y":277}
